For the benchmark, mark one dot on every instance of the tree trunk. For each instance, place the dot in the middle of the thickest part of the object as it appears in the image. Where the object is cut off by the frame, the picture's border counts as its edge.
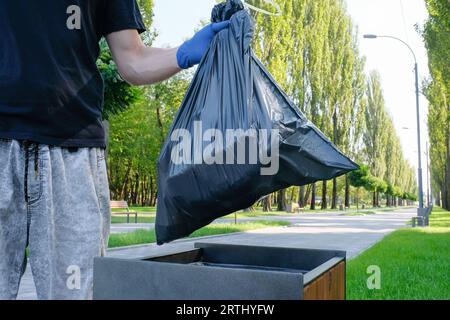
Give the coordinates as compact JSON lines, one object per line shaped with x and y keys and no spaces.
{"x":144,"y":191}
{"x":301,"y":197}
{"x":334,"y":196}
{"x":125,"y":185}
{"x":446,"y":188}
{"x":250,"y":209}
{"x":136,"y":189}
{"x":282,"y":200}
{"x":437,"y":200}
{"x":324,"y":195}
{"x":313,"y":197}
{"x":267,"y":203}
{"x":152,"y":191}
{"x":292,"y":198}
{"x":334,"y":188}
{"x":308,"y":194}
{"x":357,"y":199}
{"x":445,"y":201}
{"x":374,"y":200}
{"x":347,"y":192}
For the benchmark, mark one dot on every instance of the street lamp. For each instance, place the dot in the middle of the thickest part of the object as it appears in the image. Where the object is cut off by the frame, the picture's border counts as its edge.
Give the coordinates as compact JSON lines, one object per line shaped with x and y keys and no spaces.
{"x":421,"y":211}
{"x":427,"y":154}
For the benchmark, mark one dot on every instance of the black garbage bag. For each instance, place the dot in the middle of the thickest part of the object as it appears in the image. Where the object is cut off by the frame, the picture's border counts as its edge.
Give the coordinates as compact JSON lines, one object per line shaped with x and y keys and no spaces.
{"x":236,"y":138}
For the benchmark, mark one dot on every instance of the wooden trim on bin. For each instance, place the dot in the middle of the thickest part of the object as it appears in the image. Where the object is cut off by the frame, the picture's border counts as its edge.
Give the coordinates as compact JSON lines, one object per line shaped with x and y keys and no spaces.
{"x":329,"y":286}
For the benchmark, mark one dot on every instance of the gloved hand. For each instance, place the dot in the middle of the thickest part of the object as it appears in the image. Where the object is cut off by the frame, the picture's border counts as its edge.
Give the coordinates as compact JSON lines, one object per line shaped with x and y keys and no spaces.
{"x":192,"y":51}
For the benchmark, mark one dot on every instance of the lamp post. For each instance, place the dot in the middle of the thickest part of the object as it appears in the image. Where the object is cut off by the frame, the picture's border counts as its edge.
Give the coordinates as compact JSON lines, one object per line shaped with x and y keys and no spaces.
{"x":420,"y":211}
{"x":427,"y":154}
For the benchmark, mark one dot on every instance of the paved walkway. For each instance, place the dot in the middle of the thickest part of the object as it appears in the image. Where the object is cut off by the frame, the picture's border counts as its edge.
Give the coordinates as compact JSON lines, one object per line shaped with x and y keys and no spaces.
{"x":353,"y":234}
{"x":117,"y":228}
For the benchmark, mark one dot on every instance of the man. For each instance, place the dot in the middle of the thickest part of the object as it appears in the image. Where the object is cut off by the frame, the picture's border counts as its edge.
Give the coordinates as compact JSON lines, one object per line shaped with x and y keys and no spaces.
{"x":54,"y":195}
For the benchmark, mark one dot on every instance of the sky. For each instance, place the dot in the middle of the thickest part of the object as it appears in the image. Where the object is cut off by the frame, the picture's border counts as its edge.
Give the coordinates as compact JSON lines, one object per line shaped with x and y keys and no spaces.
{"x":176,"y":20}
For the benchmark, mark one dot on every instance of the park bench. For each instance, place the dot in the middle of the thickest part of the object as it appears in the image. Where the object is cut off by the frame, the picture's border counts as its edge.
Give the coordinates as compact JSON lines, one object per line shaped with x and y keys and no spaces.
{"x":294,"y":208}
{"x":124,"y":205}
{"x":423,"y":220}
{"x":418,"y":221}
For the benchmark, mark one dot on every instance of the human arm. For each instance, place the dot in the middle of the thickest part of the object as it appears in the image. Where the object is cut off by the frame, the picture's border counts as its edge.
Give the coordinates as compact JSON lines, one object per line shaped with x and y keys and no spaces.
{"x":141,"y":65}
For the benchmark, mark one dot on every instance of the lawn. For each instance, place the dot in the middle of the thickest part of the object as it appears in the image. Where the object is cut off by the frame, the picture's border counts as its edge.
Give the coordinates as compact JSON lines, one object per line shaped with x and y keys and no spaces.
{"x":414,"y":264}
{"x":142,"y":218}
{"x":148,"y":236}
{"x":137,"y":209}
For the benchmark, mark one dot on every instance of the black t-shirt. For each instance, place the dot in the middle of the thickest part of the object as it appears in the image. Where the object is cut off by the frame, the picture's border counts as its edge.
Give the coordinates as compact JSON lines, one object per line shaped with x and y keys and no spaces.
{"x":51,"y":91}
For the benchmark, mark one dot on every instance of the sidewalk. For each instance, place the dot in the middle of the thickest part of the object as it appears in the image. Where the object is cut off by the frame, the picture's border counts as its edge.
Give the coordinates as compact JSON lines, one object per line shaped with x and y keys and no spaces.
{"x":293,"y":218}
{"x":353,"y":234}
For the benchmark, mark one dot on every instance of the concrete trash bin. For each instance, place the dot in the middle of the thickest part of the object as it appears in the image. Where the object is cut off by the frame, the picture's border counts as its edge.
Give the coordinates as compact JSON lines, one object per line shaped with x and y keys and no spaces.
{"x":224,"y":272}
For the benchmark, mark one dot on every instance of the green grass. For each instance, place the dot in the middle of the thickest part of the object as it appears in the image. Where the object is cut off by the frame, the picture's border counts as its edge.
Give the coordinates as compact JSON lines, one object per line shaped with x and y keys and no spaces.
{"x":148,"y":236}
{"x":142,"y":218}
{"x":137,"y":209}
{"x":414,"y":264}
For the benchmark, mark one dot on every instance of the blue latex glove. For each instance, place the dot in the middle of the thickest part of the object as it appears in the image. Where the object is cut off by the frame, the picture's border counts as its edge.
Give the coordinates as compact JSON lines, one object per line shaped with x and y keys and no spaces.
{"x":192,"y":51}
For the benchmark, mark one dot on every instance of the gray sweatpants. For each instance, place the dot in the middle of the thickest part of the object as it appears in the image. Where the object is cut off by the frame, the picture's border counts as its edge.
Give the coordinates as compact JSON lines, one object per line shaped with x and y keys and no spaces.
{"x":55,"y":201}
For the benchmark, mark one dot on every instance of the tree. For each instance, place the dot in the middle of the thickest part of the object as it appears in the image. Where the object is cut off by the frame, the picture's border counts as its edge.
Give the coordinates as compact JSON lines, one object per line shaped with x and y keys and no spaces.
{"x":436,"y":35}
{"x":310,"y":50}
{"x":357,"y":113}
{"x":341,"y":94}
{"x":375,"y":135}
{"x":137,"y":137}
{"x":358,"y":179}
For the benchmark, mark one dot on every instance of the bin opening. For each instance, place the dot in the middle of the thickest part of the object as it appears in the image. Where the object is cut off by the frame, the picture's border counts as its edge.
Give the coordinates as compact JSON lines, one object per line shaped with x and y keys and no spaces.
{"x":248,"y":267}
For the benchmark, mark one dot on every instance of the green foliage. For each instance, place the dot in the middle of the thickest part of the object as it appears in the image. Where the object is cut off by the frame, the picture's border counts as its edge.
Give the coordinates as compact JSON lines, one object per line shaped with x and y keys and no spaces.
{"x":138,"y":135}
{"x":146,"y":7}
{"x":392,"y":174}
{"x":119,"y":95}
{"x":373,"y":184}
{"x":437,"y":89}
{"x":359,"y":177}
